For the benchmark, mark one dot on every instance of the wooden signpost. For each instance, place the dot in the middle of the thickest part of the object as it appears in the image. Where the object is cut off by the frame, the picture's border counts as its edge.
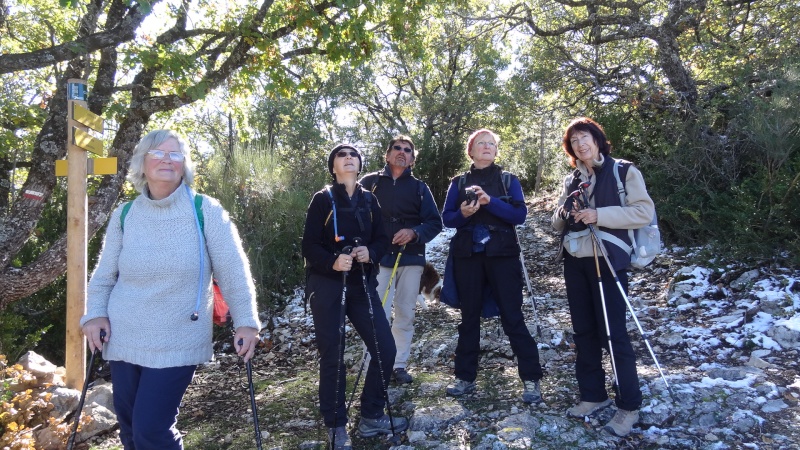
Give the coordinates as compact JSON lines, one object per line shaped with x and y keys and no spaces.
{"x":76,"y":167}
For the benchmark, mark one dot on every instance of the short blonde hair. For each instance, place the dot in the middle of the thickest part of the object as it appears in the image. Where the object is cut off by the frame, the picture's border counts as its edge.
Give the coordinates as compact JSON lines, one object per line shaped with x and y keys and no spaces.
{"x":471,"y":138}
{"x":152,"y":140}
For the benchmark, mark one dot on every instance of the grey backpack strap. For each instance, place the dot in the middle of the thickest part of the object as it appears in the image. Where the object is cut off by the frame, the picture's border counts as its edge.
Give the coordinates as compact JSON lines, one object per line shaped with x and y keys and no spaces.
{"x":622,"y":197}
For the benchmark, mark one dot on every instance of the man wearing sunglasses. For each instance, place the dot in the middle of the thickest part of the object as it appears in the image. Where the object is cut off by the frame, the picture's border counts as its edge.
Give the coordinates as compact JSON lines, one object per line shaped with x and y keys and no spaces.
{"x":411,"y":219}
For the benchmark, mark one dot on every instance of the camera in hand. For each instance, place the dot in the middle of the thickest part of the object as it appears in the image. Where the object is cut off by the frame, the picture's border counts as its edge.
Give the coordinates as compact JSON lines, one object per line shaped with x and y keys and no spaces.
{"x":472,"y":197}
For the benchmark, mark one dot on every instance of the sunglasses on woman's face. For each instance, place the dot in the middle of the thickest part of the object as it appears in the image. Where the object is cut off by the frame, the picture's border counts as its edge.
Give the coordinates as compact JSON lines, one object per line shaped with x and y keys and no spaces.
{"x":344,"y":154}
{"x":161,"y":154}
{"x":405,"y":149}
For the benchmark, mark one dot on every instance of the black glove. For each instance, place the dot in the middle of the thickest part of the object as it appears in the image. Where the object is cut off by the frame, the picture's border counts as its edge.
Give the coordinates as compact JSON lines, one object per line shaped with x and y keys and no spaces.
{"x":569,"y":205}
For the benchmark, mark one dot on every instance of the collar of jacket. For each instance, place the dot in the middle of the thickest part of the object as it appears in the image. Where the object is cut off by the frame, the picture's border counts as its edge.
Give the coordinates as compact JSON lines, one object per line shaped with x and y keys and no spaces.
{"x":597,"y":165}
{"x":485,"y":173}
{"x":339,"y":189}
{"x":387,"y":172}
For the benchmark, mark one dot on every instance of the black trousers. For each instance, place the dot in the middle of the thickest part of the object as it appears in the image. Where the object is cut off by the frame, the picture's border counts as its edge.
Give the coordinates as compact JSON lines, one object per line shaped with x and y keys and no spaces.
{"x":586,"y":310}
{"x":326,"y":309}
{"x":504,"y":275}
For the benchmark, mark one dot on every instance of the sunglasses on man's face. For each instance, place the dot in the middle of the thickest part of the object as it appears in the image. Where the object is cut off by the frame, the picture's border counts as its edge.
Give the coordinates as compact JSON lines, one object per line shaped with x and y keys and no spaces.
{"x":161,"y":154}
{"x":344,"y":154}
{"x":404,"y":149}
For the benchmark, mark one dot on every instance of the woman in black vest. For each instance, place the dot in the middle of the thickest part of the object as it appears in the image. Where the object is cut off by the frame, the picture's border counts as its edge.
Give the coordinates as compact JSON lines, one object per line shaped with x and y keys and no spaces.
{"x":339,"y":216}
{"x":485,"y":252}
{"x":588,"y":149}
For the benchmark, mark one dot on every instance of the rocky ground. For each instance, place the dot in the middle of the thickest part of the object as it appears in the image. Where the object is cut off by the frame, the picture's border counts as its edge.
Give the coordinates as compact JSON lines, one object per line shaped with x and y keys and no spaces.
{"x":726,"y":338}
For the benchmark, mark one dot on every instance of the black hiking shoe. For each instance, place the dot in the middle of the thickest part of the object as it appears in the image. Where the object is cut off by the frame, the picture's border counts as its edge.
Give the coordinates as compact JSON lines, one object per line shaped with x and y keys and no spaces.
{"x":460,"y":387}
{"x":532,"y":392}
{"x":381,"y":425}
{"x":342,"y":439}
{"x":400,"y":376}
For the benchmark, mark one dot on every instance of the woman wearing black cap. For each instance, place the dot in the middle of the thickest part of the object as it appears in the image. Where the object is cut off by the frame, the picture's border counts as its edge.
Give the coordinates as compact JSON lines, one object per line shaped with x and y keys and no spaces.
{"x":343,"y":240}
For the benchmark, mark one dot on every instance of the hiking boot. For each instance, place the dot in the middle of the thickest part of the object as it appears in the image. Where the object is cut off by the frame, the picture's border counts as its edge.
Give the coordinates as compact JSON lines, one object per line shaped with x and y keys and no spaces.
{"x":460,"y":388}
{"x":342,"y":438}
{"x":584,"y":409}
{"x":622,"y":422}
{"x":400,"y":376}
{"x":381,"y":425}
{"x":532,"y":392}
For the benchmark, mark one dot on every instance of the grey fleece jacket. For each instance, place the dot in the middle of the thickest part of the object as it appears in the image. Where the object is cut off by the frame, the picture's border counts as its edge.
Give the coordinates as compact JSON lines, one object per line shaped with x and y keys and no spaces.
{"x":146,"y":281}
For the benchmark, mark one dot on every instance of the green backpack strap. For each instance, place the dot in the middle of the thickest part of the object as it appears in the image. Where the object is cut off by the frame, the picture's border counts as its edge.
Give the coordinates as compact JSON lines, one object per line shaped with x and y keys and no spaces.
{"x":198,"y":206}
{"x":125,"y":208}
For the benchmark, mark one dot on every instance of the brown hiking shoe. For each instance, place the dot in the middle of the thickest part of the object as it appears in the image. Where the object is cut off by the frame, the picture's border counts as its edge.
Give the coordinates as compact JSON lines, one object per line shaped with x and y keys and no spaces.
{"x":584,"y":409}
{"x":622,"y":422}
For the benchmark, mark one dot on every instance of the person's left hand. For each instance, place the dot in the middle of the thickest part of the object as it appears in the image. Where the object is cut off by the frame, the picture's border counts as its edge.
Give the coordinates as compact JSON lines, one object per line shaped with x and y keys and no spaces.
{"x":483,"y":197}
{"x":248,"y":337}
{"x":360,"y":254}
{"x":404,"y":236}
{"x":587,"y":216}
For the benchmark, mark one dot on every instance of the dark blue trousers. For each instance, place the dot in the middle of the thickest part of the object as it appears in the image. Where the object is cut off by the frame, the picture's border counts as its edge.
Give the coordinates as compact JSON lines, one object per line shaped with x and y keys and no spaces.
{"x":586,"y":310}
{"x":326,"y":310}
{"x":146,"y":401}
{"x":504,"y":275}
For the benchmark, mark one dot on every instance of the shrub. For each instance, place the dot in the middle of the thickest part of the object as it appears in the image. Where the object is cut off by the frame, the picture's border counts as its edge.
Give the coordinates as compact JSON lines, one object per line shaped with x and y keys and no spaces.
{"x":267,"y":200}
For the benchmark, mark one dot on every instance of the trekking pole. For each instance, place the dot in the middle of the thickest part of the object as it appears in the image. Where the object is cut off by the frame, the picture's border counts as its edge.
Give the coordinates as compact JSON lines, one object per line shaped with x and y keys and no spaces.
{"x":384,"y":383}
{"x":71,"y":440}
{"x":524,"y":271}
{"x":602,"y":247}
{"x":583,"y":204}
{"x":252,"y":389}
{"x":391,"y":277}
{"x":528,"y":283}
{"x":605,"y":319}
{"x":364,"y":359}
{"x":340,"y":355}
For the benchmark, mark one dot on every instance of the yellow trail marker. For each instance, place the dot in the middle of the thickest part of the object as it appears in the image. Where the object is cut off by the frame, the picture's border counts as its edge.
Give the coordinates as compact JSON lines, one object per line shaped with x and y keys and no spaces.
{"x":86,"y":141}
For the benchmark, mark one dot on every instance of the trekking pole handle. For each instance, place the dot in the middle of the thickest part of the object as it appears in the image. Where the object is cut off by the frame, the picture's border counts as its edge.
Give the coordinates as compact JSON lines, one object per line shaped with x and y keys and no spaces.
{"x":359,"y":243}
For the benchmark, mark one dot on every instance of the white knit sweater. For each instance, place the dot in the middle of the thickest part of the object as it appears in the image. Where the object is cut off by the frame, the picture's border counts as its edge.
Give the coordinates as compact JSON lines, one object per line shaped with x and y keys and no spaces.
{"x":146,"y":281}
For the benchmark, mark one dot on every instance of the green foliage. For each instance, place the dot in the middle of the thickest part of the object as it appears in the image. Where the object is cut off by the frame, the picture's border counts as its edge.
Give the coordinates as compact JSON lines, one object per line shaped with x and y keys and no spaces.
{"x":735,"y":186}
{"x":268,"y":203}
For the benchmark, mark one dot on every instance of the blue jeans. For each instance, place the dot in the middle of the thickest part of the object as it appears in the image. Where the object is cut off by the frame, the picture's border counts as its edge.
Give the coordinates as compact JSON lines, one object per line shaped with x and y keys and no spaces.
{"x":146,"y":401}
{"x":588,"y":322}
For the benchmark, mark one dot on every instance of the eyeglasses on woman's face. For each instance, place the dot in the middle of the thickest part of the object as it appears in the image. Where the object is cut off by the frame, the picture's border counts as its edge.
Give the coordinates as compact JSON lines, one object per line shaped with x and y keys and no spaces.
{"x":403,"y":149}
{"x":345,"y":154}
{"x":161,"y":154}
{"x":486,"y":144}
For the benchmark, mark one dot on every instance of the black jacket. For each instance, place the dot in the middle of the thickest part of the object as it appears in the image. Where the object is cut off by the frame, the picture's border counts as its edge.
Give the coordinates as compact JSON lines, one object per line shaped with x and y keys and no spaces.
{"x":406,"y":202}
{"x":360,"y":217}
{"x":503,"y":240}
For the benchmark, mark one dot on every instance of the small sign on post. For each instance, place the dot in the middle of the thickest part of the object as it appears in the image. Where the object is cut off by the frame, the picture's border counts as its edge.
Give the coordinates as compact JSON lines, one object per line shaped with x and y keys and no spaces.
{"x":76,"y":167}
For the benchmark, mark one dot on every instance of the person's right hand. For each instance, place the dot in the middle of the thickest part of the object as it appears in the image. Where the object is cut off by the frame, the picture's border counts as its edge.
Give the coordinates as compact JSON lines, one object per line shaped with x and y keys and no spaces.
{"x":468,"y":209}
{"x":91,"y":330}
{"x":343,"y":263}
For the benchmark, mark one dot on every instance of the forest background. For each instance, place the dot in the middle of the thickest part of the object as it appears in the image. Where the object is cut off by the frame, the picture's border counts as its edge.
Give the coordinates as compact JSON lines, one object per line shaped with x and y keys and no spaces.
{"x":701,"y":94}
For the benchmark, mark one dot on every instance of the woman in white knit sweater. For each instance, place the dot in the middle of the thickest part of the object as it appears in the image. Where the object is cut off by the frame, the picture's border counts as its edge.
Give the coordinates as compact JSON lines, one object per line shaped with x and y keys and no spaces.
{"x":151,"y":292}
